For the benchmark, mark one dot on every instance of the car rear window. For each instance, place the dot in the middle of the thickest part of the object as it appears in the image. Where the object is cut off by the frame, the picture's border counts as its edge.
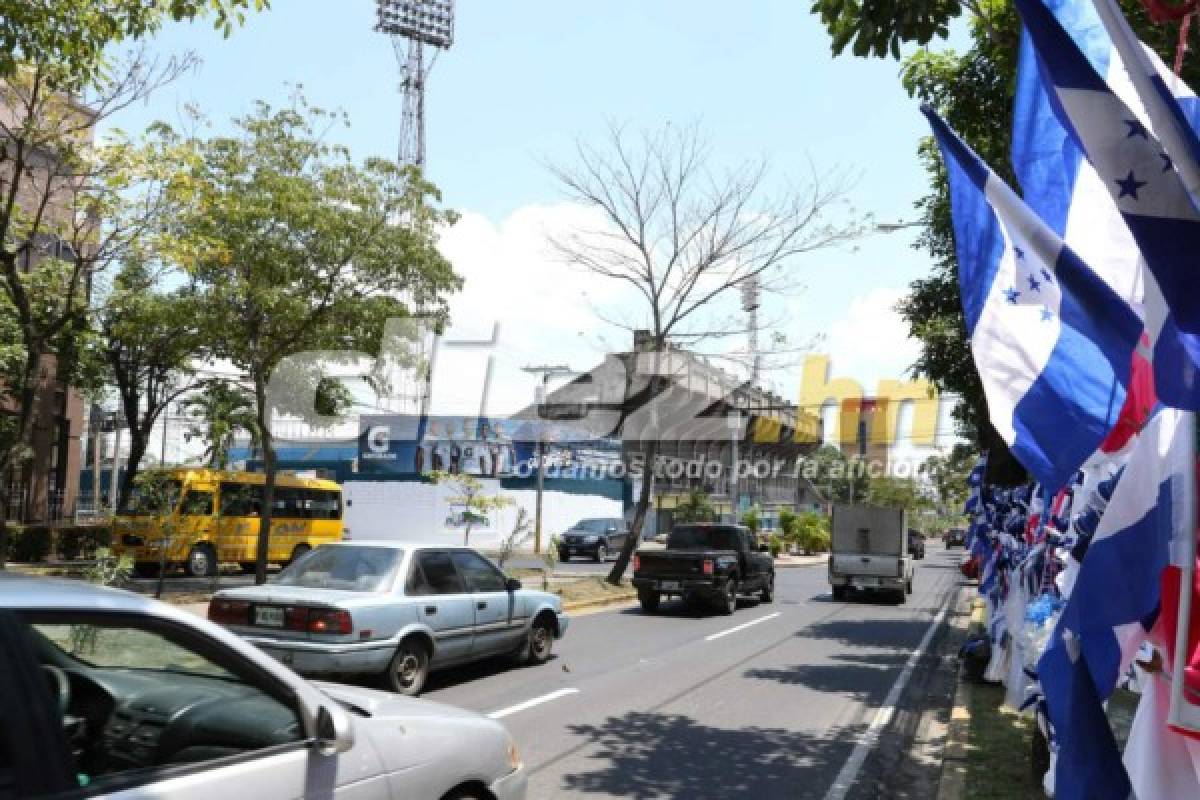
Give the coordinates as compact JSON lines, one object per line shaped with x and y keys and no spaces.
{"x":349,"y":568}
{"x":702,"y":539}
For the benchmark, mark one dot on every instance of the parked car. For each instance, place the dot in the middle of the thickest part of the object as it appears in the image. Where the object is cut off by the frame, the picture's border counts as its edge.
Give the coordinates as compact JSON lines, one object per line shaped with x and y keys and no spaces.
{"x":716,"y":563}
{"x":916,"y":544}
{"x":392,"y":608}
{"x":596,"y":538}
{"x":870,"y":552}
{"x":955,"y":537}
{"x":148,"y":700}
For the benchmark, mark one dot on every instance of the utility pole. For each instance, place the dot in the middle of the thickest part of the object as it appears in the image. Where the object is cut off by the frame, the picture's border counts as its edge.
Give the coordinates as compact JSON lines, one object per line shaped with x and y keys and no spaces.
{"x":734,"y":421}
{"x":540,"y":395}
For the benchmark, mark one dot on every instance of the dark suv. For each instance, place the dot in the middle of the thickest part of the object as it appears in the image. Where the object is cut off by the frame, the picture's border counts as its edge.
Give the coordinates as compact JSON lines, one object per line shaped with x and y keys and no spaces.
{"x":597,"y":538}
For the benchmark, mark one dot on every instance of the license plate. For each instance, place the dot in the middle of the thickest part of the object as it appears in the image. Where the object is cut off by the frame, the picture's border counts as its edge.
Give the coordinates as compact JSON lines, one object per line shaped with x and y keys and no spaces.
{"x":668,"y":584}
{"x":268,"y":616}
{"x":869,"y":583}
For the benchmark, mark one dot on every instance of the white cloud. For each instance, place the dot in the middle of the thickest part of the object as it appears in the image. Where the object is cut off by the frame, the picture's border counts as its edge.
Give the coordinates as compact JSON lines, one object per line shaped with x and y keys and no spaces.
{"x":871,"y":341}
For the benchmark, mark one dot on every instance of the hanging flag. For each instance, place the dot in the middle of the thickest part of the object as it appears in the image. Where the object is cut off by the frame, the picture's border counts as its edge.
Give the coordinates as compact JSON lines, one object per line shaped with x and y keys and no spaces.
{"x":1113,"y":604}
{"x":1051,"y":341}
{"x":1148,"y":192}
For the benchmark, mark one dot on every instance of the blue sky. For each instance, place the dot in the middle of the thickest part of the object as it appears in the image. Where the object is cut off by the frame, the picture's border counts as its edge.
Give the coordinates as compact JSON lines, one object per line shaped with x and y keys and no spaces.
{"x":525,"y":78}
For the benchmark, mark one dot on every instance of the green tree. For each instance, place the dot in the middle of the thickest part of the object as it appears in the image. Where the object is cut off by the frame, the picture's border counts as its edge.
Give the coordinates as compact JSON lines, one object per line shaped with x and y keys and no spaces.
{"x":751,"y":520}
{"x":894,"y":492}
{"x":73,"y":35}
{"x":838,"y":478}
{"x":696,"y":506}
{"x":223,"y":410}
{"x":948,"y":476}
{"x":301,"y":254}
{"x":476,"y":505}
{"x":148,"y":338}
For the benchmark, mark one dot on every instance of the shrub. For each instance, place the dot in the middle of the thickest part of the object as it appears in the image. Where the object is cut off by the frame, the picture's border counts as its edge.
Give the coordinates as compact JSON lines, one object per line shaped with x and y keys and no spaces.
{"x":29,"y":544}
{"x":82,"y":541}
{"x":776,"y":545}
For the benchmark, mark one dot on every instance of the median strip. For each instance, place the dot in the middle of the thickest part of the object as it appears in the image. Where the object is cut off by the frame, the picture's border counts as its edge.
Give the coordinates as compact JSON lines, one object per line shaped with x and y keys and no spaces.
{"x":537,"y":701}
{"x":741,"y":627}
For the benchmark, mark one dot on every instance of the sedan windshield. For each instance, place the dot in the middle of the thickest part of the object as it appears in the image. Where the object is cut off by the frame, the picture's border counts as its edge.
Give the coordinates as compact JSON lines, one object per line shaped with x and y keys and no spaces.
{"x":352,"y":569}
{"x":592,"y":525}
{"x":702,"y":539}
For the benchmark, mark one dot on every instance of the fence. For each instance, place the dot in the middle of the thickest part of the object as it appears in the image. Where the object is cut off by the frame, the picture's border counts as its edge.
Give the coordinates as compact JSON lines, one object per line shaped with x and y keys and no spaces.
{"x":23,"y":506}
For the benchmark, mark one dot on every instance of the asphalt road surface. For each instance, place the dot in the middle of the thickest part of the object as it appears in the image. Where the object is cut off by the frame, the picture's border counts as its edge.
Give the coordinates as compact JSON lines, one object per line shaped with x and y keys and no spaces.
{"x":794,"y":699}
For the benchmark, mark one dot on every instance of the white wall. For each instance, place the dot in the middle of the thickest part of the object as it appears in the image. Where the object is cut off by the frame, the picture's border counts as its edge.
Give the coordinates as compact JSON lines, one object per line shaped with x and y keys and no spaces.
{"x":412,"y":511}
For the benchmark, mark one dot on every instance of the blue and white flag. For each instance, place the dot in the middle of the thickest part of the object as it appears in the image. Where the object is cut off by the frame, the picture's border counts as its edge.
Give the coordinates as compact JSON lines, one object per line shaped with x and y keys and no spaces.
{"x":1114,"y":603}
{"x":1052,"y":342}
{"x":1142,"y":182}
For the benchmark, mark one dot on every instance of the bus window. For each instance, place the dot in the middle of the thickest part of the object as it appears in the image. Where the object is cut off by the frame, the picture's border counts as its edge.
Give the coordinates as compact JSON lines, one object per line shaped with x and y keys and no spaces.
{"x":288,"y":504}
{"x":323,"y":504}
{"x":197,"y":504}
{"x":151,"y":497}
{"x":240,"y":500}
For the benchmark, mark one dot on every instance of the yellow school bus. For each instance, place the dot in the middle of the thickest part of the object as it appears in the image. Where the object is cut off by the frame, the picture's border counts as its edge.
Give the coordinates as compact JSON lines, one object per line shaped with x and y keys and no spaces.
{"x":203,"y":517}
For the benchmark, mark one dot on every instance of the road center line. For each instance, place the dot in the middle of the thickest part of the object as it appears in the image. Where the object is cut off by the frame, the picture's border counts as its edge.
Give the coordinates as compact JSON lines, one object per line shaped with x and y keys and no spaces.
{"x":741,"y":627}
{"x":537,"y":701}
{"x":849,"y":772}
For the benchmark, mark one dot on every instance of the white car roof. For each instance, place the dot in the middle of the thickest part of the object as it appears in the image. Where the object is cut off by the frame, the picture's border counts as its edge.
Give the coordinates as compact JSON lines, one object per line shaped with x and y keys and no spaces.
{"x":397,"y":545}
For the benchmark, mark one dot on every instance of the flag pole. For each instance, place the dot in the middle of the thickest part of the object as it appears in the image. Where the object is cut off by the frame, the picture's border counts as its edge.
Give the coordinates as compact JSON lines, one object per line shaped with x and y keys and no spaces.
{"x":1182,"y":714}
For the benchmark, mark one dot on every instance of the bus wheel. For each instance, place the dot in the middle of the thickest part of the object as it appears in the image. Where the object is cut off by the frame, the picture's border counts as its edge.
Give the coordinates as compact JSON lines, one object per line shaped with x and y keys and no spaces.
{"x":300,"y":550}
{"x":201,"y":562}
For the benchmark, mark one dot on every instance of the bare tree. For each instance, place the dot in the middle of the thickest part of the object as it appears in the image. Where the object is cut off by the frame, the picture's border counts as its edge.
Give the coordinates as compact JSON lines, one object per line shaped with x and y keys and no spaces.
{"x":69,"y":209}
{"x":683,"y":235}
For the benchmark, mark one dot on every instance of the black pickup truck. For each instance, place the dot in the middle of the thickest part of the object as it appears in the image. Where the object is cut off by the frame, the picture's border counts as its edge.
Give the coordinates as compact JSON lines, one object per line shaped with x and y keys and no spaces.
{"x":710,"y":562}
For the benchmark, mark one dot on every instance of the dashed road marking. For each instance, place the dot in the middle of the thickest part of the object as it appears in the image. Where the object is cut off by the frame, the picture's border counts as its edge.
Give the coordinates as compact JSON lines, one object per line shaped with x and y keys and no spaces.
{"x":537,"y":701}
{"x":741,"y":627}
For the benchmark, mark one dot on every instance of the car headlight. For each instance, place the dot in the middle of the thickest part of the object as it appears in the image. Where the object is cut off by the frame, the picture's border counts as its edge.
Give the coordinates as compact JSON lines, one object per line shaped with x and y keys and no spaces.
{"x":591,"y":538}
{"x":514,"y":755}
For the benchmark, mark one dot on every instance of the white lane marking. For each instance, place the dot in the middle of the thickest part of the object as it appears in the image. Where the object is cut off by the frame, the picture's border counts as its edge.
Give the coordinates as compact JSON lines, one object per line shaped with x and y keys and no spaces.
{"x":537,"y":701}
{"x":741,"y":627}
{"x":849,"y":772}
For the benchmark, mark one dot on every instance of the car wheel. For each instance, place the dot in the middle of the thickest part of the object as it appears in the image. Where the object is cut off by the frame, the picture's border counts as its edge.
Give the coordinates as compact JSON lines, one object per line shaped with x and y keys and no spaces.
{"x":839,"y":593}
{"x":465,"y":794}
{"x":409,"y":668}
{"x":899,"y":596}
{"x":300,"y":550}
{"x":649,"y":600}
{"x":908,"y":586}
{"x":601,"y":554}
{"x":541,"y":642}
{"x":201,"y":562}
{"x":768,"y":591}
{"x":563,"y":556}
{"x":729,"y":597}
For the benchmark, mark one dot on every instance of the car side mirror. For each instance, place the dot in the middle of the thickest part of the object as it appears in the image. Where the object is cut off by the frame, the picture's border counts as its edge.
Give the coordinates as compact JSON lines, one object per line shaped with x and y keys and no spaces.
{"x":335,"y":732}
{"x":511,"y":585}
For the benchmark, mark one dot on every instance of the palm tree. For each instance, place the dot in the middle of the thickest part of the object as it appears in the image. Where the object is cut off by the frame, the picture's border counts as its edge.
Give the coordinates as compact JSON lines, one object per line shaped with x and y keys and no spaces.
{"x":223,"y":409}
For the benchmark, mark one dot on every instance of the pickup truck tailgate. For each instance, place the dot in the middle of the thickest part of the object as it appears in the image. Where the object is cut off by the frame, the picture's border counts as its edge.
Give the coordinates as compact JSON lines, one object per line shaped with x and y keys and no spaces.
{"x":673,"y":564}
{"x":856,"y":564}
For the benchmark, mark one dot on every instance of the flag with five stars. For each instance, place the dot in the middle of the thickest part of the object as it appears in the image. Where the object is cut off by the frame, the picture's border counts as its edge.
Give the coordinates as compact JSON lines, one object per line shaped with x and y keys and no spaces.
{"x":1052,"y":342}
{"x":1140,"y":176}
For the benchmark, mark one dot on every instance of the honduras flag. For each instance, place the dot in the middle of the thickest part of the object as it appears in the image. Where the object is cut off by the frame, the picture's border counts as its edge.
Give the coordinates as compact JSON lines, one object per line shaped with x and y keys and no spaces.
{"x":1052,"y":342}
{"x":1142,"y":182}
{"x":1113,"y":605}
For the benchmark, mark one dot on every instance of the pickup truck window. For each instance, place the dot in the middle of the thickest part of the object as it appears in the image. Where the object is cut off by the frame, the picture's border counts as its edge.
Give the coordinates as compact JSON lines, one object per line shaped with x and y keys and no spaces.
{"x":703,"y":539}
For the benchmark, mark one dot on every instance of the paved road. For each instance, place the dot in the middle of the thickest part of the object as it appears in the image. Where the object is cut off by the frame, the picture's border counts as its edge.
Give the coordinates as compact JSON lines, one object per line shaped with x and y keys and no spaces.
{"x":689,"y":706}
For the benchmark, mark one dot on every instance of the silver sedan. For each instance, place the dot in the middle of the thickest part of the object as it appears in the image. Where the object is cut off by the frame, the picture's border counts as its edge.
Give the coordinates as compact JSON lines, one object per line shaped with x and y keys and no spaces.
{"x":149,"y":701}
{"x":392,"y":608}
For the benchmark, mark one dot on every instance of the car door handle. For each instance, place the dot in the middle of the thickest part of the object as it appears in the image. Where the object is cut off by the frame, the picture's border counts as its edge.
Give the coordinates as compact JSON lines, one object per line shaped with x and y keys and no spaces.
{"x":481,"y":605}
{"x":430,"y":609}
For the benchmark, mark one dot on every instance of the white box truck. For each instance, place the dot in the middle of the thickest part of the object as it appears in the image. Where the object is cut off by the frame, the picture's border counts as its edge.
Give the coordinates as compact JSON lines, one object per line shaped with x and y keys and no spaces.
{"x":870,"y":551}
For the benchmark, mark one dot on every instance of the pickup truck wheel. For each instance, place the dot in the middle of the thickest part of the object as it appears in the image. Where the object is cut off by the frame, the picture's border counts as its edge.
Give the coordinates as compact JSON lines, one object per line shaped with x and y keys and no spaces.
{"x":649,"y":600}
{"x":839,"y":593}
{"x":908,"y":586}
{"x":601,"y":554}
{"x":564,"y":556}
{"x":768,"y":591}
{"x":729,"y":597}
{"x":409,"y":668}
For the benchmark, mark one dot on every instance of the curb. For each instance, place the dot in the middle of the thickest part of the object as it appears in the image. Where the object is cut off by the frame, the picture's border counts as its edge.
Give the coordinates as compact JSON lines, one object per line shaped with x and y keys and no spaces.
{"x":596,"y":605}
{"x":952,"y":783}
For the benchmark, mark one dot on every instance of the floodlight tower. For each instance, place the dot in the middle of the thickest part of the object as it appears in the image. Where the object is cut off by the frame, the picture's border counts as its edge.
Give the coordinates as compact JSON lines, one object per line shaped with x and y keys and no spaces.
{"x":751,"y":300}
{"x":413,"y":24}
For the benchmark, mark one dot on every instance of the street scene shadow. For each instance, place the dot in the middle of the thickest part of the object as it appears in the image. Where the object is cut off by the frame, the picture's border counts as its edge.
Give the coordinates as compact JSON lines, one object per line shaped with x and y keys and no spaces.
{"x":695,"y":610}
{"x":648,"y":755}
{"x":864,"y":678}
{"x":888,"y":633}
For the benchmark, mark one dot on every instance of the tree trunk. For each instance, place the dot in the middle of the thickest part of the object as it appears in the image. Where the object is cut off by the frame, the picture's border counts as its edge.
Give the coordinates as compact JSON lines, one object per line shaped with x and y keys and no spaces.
{"x":267,"y":443}
{"x":139,"y":440}
{"x":22,"y":441}
{"x":650,"y":450}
